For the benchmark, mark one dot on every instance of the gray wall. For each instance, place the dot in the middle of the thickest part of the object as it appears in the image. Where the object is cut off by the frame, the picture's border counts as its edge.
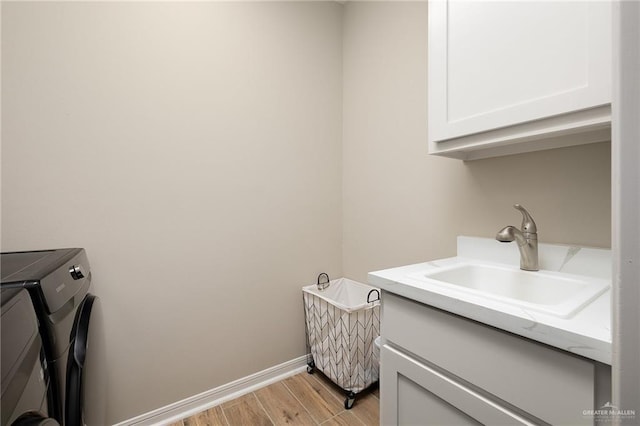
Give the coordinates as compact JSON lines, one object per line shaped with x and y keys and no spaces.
{"x":194,"y":150}
{"x":200,"y":153}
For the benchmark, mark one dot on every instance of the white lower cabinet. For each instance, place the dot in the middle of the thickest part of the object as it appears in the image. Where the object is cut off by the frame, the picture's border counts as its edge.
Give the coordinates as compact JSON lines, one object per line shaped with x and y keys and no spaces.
{"x":442,"y":369}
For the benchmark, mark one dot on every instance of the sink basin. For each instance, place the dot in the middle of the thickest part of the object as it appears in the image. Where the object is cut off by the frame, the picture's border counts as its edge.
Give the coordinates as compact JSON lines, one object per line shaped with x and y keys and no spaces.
{"x":549,"y":292}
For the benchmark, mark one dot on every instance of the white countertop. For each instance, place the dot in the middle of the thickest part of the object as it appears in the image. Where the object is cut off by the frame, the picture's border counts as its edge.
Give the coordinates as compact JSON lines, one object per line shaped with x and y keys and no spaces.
{"x":586,"y":333}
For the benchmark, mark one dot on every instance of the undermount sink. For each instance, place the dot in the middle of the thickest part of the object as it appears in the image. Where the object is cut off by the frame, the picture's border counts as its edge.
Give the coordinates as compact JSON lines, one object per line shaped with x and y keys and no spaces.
{"x":549,"y":292}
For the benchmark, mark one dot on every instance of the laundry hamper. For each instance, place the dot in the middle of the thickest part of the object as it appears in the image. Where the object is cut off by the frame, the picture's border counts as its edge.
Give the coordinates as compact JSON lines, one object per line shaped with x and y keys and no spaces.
{"x":342,"y":320}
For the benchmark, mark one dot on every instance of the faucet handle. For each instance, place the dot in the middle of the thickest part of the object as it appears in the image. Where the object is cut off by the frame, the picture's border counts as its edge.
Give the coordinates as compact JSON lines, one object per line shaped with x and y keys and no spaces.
{"x":528,"y":225}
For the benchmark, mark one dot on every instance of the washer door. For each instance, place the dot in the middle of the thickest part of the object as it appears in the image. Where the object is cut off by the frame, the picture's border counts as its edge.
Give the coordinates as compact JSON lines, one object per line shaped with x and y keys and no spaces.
{"x":86,"y":367}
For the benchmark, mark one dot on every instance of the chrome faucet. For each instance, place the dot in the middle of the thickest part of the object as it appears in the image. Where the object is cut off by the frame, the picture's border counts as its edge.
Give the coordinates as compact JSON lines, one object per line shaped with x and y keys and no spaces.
{"x":527,"y":240}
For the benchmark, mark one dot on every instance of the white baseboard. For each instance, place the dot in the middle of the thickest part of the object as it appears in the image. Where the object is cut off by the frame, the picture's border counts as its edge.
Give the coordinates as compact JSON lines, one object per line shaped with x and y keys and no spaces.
{"x":207,"y":399}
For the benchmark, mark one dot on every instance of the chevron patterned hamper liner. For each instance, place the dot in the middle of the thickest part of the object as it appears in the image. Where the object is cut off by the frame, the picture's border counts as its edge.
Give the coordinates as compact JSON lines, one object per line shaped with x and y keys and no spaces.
{"x":342,"y":321}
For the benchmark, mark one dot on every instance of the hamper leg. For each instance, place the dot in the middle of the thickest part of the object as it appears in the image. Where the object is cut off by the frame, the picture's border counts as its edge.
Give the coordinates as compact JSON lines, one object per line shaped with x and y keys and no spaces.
{"x":349,"y":400}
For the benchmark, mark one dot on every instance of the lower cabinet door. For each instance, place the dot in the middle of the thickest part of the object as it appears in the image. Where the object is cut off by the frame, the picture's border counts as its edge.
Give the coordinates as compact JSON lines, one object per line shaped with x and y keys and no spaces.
{"x":414,"y":394}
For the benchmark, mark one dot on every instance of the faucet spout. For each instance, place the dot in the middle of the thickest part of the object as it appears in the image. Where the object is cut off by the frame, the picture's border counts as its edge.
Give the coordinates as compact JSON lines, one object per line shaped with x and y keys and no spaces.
{"x":509,"y":234}
{"x":527,"y":240}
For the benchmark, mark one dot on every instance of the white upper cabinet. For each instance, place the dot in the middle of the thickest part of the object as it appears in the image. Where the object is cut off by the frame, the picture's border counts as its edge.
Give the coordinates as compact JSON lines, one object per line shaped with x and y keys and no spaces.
{"x":511,"y":77}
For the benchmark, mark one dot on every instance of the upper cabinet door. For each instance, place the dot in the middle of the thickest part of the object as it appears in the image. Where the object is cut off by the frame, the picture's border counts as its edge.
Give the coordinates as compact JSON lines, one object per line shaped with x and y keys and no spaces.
{"x":507,"y":72}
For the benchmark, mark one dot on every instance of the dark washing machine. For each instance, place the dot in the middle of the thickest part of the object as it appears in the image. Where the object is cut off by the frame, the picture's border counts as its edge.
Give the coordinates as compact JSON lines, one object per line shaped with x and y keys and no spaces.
{"x":70,"y":326}
{"x":25,"y":380}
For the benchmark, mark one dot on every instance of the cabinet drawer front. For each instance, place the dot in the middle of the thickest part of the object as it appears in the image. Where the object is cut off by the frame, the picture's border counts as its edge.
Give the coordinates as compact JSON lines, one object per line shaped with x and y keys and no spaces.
{"x":416,"y":394}
{"x":551,"y":385}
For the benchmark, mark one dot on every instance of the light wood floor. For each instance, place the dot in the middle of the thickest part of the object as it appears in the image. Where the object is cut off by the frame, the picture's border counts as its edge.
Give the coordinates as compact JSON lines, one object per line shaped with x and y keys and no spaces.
{"x":303,"y":399}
